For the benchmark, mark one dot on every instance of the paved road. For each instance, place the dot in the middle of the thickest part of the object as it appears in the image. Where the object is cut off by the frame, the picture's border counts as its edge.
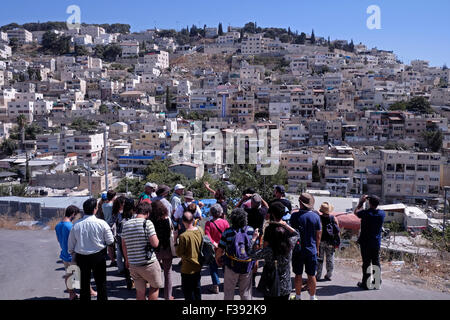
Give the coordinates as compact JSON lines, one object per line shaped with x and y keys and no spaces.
{"x":30,"y":269}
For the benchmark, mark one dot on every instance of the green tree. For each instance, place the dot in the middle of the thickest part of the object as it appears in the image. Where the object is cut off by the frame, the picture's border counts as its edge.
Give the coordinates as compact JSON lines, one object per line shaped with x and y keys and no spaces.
{"x":81,"y":51}
{"x":301,"y":187}
{"x":19,"y":190}
{"x":84,"y":125}
{"x":249,"y":27}
{"x":21,"y":122}
{"x":433,"y":138}
{"x":14,"y":44}
{"x":246,"y":175}
{"x":398,"y":106}
{"x":111,"y":52}
{"x":168,"y":99}
{"x":103,"y":109}
{"x":313,"y":37}
{"x":300,"y":39}
{"x":8,"y":147}
{"x":419,"y":105}
{"x":315,"y":172}
{"x":55,"y":44}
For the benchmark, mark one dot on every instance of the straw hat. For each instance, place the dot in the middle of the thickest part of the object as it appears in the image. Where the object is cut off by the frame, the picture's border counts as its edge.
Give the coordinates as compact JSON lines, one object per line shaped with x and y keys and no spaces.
{"x":326,"y":208}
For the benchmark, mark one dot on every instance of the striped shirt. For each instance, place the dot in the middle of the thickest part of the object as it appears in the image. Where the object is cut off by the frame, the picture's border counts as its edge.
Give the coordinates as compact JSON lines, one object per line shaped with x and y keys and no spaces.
{"x":228,"y":237}
{"x":135,"y":240}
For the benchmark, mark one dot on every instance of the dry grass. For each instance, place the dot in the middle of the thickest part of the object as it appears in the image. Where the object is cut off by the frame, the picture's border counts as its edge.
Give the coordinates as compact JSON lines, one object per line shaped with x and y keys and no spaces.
{"x":53,"y":222}
{"x":431,"y":272}
{"x":10,"y":222}
{"x":351,"y":252}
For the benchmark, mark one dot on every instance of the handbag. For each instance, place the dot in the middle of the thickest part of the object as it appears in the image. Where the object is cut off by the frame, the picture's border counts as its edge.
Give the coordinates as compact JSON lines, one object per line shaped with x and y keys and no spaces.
{"x":148,"y":247}
{"x":269,"y":285}
{"x":172,"y":239}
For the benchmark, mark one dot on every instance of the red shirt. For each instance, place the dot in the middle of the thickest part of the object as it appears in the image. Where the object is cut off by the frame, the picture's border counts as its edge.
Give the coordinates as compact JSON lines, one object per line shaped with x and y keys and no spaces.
{"x":213,"y":233}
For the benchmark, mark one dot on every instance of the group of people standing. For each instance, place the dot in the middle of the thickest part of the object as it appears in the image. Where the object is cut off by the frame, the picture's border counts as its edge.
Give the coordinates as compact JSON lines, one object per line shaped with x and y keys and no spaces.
{"x":142,"y":237}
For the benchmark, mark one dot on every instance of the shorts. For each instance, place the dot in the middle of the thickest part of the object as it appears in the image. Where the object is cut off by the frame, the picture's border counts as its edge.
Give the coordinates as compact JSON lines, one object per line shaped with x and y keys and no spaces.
{"x":150,"y":273}
{"x":308,"y":262}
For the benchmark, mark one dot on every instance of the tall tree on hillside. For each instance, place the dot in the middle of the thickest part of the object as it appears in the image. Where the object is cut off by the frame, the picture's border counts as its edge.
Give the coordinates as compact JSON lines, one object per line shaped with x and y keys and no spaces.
{"x":168,"y":100}
{"x":14,"y":44}
{"x":21,"y":122}
{"x":313,"y":37}
{"x":220,"y":29}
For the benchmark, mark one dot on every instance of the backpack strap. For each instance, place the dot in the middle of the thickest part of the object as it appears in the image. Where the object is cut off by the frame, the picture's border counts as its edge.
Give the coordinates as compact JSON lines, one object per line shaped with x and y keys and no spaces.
{"x":217,"y":227}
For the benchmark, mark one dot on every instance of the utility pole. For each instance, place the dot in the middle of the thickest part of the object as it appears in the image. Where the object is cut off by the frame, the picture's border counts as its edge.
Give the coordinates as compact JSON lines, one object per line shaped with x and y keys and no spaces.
{"x":361,"y":191}
{"x":446,"y":189}
{"x":105,"y":139}
{"x":89,"y":179}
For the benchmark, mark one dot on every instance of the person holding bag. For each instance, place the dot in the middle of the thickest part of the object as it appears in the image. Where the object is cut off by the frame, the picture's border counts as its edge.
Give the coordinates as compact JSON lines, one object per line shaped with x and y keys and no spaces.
{"x":164,"y":254}
{"x":329,"y":242}
{"x":278,"y":242}
{"x":214,"y":229}
{"x":139,"y":241}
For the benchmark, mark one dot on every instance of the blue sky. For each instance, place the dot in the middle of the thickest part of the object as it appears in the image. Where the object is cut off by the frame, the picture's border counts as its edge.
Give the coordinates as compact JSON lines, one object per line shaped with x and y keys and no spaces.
{"x":413,"y":29}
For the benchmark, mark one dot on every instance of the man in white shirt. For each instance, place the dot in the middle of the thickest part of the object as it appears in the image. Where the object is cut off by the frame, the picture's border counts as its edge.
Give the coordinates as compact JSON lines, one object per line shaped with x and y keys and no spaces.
{"x":182,"y":207}
{"x":89,"y":238}
{"x":175,"y":201}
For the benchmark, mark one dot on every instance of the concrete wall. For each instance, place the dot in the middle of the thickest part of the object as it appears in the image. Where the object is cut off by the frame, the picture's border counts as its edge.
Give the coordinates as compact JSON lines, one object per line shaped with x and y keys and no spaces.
{"x":57,"y":181}
{"x":34,"y":209}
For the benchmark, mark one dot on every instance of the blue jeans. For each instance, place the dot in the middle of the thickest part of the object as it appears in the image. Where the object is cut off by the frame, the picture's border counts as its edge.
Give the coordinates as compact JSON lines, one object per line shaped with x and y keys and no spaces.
{"x":214,"y":270}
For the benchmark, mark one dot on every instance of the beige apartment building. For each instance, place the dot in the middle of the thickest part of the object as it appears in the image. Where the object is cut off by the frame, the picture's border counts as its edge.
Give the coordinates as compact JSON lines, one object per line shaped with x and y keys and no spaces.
{"x":367,"y":178}
{"x":241,"y":107}
{"x":304,"y":102}
{"x":339,"y":170}
{"x":299,"y":167}
{"x":410,"y":176}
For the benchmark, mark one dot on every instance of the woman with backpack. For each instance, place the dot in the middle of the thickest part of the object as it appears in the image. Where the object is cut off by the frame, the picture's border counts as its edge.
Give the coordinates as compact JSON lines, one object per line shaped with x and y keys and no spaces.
{"x":214,"y":229}
{"x":164,"y":231}
{"x":279,"y":240}
{"x":329,"y":242}
{"x":235,"y":244}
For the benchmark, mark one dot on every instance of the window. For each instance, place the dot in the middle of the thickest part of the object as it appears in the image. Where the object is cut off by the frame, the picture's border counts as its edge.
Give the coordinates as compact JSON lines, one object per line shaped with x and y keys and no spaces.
{"x":434,"y":168}
{"x":433,"y":189}
{"x":410,"y":167}
{"x":390,"y":167}
{"x":422,"y":167}
{"x":421,"y":189}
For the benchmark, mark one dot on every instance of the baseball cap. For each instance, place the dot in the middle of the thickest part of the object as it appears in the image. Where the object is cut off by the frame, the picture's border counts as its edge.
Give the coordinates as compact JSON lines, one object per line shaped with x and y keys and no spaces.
{"x":151,"y":185}
{"x":280,"y":189}
{"x":256,"y":198}
{"x":178,"y":187}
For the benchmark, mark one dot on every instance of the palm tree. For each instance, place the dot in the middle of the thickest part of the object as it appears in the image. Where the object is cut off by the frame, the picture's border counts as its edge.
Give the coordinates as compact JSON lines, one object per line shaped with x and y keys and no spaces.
{"x":21,"y":122}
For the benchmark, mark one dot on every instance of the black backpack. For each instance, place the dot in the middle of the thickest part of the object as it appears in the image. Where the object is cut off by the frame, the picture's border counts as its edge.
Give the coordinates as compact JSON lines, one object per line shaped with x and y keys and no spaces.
{"x":332,"y":230}
{"x":207,"y":252}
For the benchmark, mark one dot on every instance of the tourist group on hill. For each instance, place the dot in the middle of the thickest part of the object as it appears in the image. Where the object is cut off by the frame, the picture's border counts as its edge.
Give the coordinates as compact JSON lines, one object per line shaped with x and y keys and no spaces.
{"x":142,"y":238}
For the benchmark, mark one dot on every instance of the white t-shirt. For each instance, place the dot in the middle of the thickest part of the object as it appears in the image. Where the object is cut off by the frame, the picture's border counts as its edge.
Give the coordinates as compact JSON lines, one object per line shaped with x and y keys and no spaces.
{"x":179,"y":211}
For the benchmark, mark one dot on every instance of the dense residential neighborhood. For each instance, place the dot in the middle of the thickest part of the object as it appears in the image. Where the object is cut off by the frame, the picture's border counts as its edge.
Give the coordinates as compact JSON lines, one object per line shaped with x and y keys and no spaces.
{"x":83,"y":109}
